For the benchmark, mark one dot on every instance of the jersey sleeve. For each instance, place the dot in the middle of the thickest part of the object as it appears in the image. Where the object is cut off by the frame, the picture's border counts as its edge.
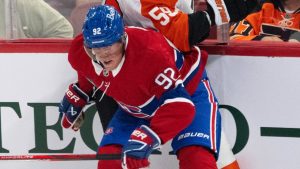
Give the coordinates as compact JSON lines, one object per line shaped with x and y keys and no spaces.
{"x":173,"y":18}
{"x":184,"y":29}
{"x":174,"y":114}
{"x":169,"y":20}
{"x":84,"y":84}
{"x":174,"y":101}
{"x":76,"y":57}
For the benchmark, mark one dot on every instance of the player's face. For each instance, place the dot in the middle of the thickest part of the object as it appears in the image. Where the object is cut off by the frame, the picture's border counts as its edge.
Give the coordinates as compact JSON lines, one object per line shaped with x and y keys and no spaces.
{"x":109,"y":56}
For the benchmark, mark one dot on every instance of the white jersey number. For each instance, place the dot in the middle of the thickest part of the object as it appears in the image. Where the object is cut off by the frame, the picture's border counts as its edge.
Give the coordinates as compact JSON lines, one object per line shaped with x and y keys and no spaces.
{"x":96,"y":31}
{"x":162,"y":14}
{"x":166,"y":78}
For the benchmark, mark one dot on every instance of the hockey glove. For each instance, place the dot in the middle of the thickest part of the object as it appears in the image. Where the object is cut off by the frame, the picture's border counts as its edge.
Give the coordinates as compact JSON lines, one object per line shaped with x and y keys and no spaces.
{"x":71,"y":107}
{"x":225,"y":11}
{"x":138,"y":148}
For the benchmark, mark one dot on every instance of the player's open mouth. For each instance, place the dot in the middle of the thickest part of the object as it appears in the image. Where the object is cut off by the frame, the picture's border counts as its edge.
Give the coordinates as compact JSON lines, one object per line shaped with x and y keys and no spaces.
{"x":107,"y":62}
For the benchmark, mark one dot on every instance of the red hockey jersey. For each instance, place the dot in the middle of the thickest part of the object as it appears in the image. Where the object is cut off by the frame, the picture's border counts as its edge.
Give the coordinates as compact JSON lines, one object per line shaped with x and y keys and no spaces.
{"x":148,"y":83}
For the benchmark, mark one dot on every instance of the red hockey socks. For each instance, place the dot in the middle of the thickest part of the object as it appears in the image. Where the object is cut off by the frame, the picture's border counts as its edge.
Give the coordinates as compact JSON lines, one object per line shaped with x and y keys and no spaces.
{"x":196,"y":157}
{"x":110,"y":164}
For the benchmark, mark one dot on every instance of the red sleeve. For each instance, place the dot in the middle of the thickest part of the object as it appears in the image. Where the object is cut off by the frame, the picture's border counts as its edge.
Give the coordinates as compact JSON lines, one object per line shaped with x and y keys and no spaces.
{"x":77,"y":57}
{"x":85,"y":85}
{"x":171,"y":118}
{"x":177,"y":110}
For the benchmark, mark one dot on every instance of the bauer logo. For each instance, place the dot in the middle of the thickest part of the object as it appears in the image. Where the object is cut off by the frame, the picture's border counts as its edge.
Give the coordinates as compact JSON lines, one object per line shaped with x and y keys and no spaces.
{"x":193,"y":134}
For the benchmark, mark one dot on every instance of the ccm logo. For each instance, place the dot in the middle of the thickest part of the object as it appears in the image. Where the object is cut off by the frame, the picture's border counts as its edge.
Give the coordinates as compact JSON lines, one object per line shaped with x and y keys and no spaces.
{"x":72,"y":96}
{"x":139,"y":134}
{"x":220,"y":5}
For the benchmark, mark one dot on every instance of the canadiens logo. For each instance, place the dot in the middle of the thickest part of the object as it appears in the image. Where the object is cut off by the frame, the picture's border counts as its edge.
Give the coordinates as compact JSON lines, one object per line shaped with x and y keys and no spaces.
{"x":108,"y":131}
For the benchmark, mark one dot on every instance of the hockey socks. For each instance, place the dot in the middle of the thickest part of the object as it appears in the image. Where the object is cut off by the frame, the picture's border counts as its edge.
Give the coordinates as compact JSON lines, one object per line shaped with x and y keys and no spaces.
{"x":110,"y":164}
{"x":196,"y":157}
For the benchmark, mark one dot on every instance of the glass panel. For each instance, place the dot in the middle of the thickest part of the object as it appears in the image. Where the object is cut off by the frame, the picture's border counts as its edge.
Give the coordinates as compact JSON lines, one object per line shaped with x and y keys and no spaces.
{"x":32,"y":19}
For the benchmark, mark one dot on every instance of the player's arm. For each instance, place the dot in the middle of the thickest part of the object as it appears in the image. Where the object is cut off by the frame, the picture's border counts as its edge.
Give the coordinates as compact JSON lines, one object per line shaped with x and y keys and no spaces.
{"x":71,"y":108}
{"x":77,"y":57}
{"x":176,"y":104}
{"x":175,"y":109}
{"x":199,"y":27}
{"x":186,"y":30}
{"x":78,"y":94}
{"x":174,"y":114}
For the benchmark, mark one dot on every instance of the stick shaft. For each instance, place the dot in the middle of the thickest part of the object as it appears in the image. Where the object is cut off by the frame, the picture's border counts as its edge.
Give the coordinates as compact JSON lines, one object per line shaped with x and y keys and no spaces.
{"x":63,"y":157}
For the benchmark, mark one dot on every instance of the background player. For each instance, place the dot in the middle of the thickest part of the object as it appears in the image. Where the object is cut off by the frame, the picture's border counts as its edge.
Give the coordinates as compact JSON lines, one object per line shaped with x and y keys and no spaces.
{"x":274,"y":20}
{"x":176,"y":20}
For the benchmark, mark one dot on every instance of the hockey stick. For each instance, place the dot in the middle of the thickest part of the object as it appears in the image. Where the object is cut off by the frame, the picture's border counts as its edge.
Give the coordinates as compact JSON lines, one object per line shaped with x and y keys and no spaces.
{"x":63,"y":157}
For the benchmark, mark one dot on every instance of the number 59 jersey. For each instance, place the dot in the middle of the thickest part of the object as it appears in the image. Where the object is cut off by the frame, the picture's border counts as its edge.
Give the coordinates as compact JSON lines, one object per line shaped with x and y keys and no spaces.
{"x":170,"y":17}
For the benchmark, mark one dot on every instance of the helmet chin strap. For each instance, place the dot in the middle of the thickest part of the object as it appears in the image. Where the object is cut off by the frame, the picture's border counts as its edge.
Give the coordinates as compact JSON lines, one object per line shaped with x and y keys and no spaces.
{"x":99,"y":63}
{"x":124,"y":42}
{"x":90,"y":53}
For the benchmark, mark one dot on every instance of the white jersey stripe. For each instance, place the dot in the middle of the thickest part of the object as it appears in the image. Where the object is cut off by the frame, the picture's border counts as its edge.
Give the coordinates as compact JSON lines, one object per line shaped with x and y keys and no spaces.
{"x":213,"y":113}
{"x":195,"y":65}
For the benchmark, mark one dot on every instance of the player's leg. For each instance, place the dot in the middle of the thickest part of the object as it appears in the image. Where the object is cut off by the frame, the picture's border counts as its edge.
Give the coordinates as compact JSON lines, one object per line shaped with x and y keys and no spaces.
{"x":201,"y":139}
{"x":196,"y":157}
{"x":110,"y":164}
{"x":117,"y":134}
{"x":106,"y":107}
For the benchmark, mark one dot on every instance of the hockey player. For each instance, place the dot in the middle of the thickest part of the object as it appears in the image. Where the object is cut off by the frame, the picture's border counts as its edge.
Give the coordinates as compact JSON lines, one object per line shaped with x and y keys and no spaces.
{"x":176,"y":20}
{"x":274,"y":20}
{"x":174,"y":91}
{"x":184,"y":29}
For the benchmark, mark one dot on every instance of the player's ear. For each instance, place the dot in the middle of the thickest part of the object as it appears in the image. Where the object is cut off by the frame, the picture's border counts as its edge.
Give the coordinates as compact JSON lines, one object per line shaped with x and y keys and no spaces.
{"x":123,"y":38}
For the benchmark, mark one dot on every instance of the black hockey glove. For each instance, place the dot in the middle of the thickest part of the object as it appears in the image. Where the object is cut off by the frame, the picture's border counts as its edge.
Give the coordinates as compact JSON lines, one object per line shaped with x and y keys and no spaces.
{"x":225,"y":11}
